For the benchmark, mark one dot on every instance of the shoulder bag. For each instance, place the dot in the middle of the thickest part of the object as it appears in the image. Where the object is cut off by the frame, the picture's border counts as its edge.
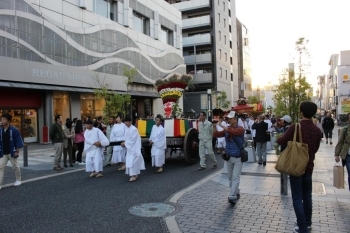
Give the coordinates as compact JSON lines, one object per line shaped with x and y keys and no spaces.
{"x":243,"y":152}
{"x":293,"y":160}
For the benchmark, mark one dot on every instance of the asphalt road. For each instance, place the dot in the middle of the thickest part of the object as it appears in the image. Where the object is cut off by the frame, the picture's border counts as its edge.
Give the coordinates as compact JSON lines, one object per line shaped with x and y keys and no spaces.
{"x":77,"y":203}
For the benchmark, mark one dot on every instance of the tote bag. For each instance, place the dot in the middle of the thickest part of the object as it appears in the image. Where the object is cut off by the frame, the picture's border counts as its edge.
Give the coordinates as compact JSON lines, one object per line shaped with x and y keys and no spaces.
{"x":293,"y":160}
{"x":338,"y":176}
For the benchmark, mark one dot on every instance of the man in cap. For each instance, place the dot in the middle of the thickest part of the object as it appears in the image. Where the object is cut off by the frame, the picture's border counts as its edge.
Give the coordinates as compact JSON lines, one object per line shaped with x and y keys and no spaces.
{"x":234,"y":135}
{"x":205,"y":137}
{"x":95,"y":141}
{"x":134,"y":159}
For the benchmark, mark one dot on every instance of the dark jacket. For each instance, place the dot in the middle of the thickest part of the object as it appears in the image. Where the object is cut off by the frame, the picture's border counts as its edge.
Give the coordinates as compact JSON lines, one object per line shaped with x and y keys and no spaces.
{"x":261,"y":129}
{"x":15,"y":141}
{"x":56,"y":133}
{"x":328,"y":123}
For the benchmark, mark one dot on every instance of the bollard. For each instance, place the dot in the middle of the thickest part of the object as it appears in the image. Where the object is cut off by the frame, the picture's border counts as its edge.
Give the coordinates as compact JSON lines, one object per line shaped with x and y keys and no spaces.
{"x":25,"y":155}
{"x":284,"y":184}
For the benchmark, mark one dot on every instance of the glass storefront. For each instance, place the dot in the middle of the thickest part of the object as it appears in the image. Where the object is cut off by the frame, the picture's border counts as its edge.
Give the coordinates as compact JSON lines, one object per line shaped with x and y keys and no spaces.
{"x":26,"y":121}
{"x":61,"y":104}
{"x":90,"y":106}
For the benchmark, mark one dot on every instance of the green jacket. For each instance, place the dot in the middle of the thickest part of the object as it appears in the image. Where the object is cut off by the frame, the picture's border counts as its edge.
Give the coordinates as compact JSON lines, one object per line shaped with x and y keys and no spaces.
{"x":56,"y":133}
{"x":343,"y":145}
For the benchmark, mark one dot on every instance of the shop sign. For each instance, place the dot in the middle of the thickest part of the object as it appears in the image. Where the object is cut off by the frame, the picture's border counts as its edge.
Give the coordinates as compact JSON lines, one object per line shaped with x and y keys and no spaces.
{"x":44,"y":73}
{"x":345,"y":106}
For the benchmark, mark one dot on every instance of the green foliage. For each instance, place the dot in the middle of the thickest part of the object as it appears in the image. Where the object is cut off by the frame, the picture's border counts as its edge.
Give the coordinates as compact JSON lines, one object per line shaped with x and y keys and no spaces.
{"x":114,"y":102}
{"x":253,"y":99}
{"x":177,"y":111}
{"x":130,"y":74}
{"x":293,"y":90}
{"x":222,"y":101}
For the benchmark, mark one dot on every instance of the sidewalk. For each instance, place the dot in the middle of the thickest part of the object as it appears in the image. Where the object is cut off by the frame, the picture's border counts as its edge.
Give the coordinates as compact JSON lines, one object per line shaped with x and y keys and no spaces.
{"x":40,"y":164}
{"x":262,"y":208}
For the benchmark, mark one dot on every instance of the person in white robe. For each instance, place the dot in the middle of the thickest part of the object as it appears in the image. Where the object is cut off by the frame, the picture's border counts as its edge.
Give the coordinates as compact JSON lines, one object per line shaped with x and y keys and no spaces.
{"x":95,"y":141}
{"x":117,"y":134}
{"x":158,"y":142}
{"x":134,"y":159}
{"x":221,"y":142}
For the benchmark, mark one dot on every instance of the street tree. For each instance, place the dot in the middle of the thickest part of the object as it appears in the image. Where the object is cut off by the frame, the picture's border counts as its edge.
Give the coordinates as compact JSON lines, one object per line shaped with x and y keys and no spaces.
{"x":253,"y":99}
{"x":222,"y":101}
{"x":293,"y":88}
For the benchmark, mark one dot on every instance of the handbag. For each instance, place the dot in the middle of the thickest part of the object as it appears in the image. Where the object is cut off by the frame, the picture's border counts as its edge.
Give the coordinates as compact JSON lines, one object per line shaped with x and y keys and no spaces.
{"x":338,"y":176}
{"x":243,"y":153}
{"x":225,"y":156}
{"x":294,"y":158}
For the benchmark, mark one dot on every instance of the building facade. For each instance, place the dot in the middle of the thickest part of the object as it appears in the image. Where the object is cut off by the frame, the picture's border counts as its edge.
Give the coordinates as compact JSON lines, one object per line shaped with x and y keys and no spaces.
{"x":243,"y":55}
{"x":53,"y":54}
{"x":210,"y":50}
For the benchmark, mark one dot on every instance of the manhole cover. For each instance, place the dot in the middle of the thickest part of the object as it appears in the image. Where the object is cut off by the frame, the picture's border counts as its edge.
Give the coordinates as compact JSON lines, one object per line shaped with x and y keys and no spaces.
{"x":152,"y":210}
{"x":318,"y":188}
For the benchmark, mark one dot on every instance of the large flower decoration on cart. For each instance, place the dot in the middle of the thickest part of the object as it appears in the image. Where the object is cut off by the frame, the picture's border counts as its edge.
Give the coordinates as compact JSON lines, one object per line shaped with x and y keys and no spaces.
{"x":170,"y":90}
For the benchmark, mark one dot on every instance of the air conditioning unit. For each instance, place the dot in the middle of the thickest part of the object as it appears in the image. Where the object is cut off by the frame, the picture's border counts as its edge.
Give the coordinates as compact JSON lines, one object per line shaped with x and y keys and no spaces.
{"x":82,"y":4}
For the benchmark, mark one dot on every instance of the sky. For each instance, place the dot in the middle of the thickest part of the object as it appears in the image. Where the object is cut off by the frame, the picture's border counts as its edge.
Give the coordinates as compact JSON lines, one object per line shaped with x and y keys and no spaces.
{"x":275,"y":25}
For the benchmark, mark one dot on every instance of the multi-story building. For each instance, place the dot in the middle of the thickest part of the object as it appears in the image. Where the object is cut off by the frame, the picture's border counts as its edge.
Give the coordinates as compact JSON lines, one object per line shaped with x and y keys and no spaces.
{"x":332,"y":82}
{"x":52,"y":52}
{"x":210,"y":49}
{"x":243,"y":54}
{"x":322,"y":93}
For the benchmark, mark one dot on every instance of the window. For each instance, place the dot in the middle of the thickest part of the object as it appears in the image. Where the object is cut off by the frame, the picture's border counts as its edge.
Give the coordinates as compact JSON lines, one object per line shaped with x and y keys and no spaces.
{"x":230,"y":28}
{"x":231,"y":77}
{"x":225,"y":56}
{"x":219,"y":35}
{"x":102,"y":7}
{"x":166,"y":36}
{"x":230,"y":44}
{"x":223,"y":4}
{"x":220,"y":53}
{"x":219,"y":17}
{"x":225,"y":38}
{"x":226,"y":74}
{"x":220,"y":72}
{"x":224,"y":23}
{"x":231,"y":60}
{"x":141,"y":23}
{"x":229,"y":13}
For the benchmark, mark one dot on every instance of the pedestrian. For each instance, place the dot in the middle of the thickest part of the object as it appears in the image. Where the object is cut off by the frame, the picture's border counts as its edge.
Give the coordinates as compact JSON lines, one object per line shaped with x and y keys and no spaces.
{"x":261,"y":138}
{"x":301,"y":186}
{"x":134,"y":159}
{"x":234,"y":136}
{"x":252,"y":131}
{"x":205,"y":141}
{"x":269,"y":127}
{"x":95,"y":141}
{"x":79,"y":141}
{"x":342,"y":148}
{"x":158,"y":142}
{"x":69,"y":135}
{"x":110,"y":125}
{"x":56,"y":135}
{"x":328,"y":126}
{"x":221,"y":142}
{"x":118,"y":134}
{"x":10,"y":143}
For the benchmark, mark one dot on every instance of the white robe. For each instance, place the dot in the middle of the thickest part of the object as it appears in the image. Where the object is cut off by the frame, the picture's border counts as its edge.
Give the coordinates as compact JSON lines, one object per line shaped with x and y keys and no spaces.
{"x":134,"y":159}
{"x":117,"y":134}
{"x":159,"y":146}
{"x":221,"y":142}
{"x":94,"y":154}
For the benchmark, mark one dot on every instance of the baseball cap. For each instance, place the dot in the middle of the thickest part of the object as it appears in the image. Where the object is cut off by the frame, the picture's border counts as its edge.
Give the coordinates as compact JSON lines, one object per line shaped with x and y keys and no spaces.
{"x":287,"y":118}
{"x":232,"y":114}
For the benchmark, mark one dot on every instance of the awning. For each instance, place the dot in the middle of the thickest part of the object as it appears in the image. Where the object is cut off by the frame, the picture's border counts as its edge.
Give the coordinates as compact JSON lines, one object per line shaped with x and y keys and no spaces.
{"x":69,"y":89}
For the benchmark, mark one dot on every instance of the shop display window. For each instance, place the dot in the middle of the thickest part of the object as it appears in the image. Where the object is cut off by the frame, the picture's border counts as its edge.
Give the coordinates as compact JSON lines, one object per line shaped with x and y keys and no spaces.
{"x":61,"y":104}
{"x":25,"y":120}
{"x":91,"y":106}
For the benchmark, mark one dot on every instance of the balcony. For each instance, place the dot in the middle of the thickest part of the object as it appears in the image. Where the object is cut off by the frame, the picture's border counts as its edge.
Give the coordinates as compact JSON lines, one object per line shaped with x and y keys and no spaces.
{"x":196,"y":22}
{"x":192,"y":5}
{"x":198,"y":59}
{"x":196,"y":40}
{"x":203,"y":78}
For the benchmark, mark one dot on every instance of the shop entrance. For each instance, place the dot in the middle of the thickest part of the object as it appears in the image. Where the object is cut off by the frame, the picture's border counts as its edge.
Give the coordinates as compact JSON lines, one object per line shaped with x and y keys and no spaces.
{"x":26,"y":121}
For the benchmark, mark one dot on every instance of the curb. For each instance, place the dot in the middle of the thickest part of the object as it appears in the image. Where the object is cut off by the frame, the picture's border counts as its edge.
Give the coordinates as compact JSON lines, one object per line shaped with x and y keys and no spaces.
{"x":170,"y":221}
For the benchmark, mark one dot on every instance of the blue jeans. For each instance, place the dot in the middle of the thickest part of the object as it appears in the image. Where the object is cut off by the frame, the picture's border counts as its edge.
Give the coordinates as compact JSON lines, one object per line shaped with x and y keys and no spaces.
{"x":346,"y":163}
{"x":301,"y":187}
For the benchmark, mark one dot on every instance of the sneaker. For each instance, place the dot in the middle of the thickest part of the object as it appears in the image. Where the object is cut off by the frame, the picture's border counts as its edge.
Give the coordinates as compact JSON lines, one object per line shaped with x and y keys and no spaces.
{"x":82,"y":163}
{"x":17,"y":183}
{"x":296,"y":229}
{"x":201,"y":168}
{"x":331,"y":143}
{"x":231,"y":201}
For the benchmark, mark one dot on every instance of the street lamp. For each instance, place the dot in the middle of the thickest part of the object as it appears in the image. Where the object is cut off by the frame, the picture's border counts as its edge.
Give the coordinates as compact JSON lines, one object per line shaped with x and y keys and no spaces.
{"x":209,"y":101}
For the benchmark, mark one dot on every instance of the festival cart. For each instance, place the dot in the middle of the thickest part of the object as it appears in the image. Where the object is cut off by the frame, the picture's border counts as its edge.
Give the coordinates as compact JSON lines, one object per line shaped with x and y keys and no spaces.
{"x":180,"y":134}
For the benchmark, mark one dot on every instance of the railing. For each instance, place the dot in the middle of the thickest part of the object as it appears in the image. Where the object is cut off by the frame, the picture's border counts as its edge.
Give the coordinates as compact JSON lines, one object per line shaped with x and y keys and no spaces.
{"x":192,"y":5}
{"x":201,"y":58}
{"x":203,"y":78}
{"x":196,"y":22}
{"x":197,"y":39}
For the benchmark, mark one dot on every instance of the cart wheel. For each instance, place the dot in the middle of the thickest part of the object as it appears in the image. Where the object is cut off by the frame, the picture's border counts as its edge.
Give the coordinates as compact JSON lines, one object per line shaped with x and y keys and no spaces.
{"x":191,"y":149}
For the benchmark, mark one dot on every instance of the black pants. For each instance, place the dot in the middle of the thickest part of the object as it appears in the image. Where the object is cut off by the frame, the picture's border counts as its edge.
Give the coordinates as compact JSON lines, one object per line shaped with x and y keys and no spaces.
{"x":68,"y":151}
{"x":328,"y":133}
{"x":80,"y":151}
